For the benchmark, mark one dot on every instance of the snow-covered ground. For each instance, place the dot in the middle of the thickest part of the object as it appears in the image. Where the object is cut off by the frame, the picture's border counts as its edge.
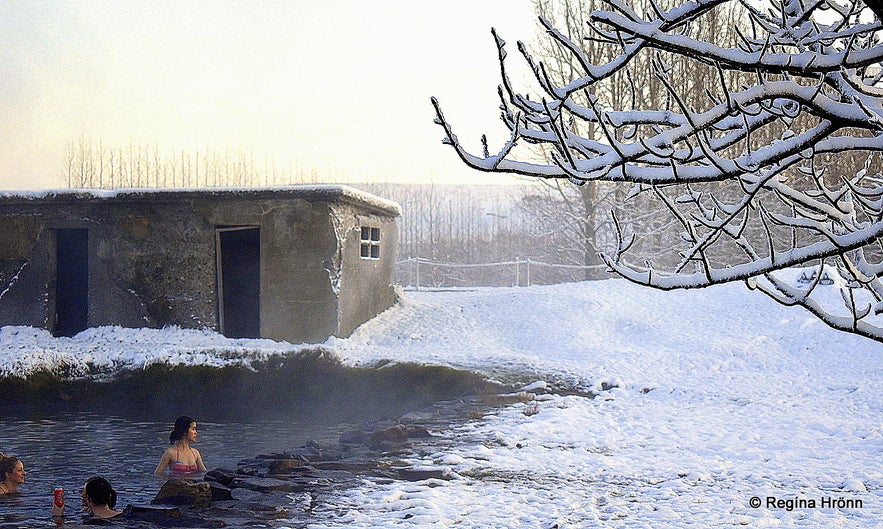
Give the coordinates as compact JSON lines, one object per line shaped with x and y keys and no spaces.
{"x":722,"y":396}
{"x":718,"y":396}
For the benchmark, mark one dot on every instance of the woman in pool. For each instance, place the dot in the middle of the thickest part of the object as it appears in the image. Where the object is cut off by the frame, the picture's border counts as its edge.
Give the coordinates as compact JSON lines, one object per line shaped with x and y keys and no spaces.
{"x":181,"y":457}
{"x":99,"y":498}
{"x":12,"y":474}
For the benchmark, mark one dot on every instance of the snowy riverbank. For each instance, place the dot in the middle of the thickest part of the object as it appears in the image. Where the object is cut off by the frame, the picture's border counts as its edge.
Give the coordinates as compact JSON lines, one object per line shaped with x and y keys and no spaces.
{"x":713,"y":397}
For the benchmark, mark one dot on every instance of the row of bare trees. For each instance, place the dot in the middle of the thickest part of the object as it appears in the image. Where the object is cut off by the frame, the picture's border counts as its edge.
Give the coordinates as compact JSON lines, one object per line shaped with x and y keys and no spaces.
{"x":95,"y":164}
{"x":452,"y":229}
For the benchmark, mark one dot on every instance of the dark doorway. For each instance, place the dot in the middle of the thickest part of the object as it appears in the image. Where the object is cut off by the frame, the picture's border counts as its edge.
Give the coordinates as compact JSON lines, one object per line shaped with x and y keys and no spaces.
{"x":71,"y":281}
{"x":239,"y":281}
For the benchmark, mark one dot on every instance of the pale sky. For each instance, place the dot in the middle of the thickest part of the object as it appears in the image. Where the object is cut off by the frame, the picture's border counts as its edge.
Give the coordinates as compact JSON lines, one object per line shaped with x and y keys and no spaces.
{"x":340,"y":86}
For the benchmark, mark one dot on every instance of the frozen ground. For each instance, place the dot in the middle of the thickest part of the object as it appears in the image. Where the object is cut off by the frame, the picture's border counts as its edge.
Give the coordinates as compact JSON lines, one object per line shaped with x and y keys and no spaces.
{"x":718,"y":396}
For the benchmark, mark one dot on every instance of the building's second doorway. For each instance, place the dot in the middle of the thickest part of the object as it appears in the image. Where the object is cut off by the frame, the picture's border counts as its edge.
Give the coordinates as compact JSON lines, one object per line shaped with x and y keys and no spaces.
{"x":71,"y":281}
{"x":239,"y":281}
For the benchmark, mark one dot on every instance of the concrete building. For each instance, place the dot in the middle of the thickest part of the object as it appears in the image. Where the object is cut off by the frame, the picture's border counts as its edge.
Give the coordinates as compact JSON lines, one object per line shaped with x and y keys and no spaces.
{"x":298,"y":263}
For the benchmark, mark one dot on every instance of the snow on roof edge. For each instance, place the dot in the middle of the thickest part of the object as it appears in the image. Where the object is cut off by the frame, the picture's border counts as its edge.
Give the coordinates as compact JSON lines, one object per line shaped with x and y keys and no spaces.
{"x":327,"y":191}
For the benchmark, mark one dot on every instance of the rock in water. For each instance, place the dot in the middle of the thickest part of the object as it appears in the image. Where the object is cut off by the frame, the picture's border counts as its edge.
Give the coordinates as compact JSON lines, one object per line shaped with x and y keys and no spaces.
{"x":178,"y":491}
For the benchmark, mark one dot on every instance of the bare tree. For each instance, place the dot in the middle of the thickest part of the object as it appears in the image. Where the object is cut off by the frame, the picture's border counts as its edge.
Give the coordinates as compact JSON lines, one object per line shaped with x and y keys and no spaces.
{"x":755,"y":174}
{"x":582,"y":213}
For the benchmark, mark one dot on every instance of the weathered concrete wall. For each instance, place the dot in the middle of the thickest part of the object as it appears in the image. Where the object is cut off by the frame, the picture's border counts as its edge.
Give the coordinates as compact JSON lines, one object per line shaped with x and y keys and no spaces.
{"x":298,"y":255}
{"x":151,"y":263}
{"x":153,"y":259}
{"x":23,"y":271}
{"x":365,"y":285}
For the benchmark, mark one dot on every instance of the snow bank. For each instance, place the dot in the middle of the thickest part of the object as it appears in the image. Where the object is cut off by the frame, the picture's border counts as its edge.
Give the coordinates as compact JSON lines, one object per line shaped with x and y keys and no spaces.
{"x":109,"y":350}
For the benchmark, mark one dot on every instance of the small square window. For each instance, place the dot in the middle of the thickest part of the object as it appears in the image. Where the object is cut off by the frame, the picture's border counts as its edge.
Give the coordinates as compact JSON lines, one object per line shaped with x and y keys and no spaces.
{"x":370,"y":243}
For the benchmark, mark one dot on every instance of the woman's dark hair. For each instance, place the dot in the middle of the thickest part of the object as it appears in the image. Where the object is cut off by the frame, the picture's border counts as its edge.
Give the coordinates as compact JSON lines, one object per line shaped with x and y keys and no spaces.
{"x":182,"y":424}
{"x":99,"y":492}
{"x":7,"y":463}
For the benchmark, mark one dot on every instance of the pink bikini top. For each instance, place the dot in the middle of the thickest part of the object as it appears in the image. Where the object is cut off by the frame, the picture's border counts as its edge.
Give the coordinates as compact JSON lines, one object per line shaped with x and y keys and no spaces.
{"x":182,"y":468}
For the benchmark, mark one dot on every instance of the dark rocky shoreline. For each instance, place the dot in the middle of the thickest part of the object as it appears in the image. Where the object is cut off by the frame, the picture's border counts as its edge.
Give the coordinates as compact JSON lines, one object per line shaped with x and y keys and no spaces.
{"x":284,"y":489}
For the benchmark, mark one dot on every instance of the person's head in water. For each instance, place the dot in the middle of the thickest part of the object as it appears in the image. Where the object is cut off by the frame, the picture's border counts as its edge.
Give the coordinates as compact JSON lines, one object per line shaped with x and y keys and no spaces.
{"x":12,"y":473}
{"x":185,"y":428}
{"x":98,"y":496}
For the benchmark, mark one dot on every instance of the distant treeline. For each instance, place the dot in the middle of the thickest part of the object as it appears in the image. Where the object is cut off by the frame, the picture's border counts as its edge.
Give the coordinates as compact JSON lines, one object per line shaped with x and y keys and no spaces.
{"x":96,"y":165}
{"x":469,"y":225}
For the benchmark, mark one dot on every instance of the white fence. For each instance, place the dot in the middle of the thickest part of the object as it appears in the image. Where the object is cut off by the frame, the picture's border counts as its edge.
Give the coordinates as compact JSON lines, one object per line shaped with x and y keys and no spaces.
{"x":417,"y":272}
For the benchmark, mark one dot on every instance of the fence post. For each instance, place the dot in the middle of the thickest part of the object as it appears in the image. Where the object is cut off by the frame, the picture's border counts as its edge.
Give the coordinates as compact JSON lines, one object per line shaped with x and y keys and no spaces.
{"x":528,"y":271}
{"x":516,"y":270}
{"x":418,"y":273}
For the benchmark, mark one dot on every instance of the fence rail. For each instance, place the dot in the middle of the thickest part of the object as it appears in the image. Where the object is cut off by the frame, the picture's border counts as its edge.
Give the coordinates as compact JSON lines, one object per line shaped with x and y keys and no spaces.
{"x":417,"y":272}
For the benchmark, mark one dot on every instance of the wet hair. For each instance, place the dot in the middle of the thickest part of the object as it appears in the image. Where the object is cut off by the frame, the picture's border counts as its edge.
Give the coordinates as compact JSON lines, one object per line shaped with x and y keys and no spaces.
{"x":99,"y":492}
{"x":182,"y":424}
{"x":7,"y":463}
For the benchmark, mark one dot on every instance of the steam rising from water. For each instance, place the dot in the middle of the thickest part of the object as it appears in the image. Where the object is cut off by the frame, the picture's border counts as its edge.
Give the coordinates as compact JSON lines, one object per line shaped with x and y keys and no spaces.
{"x":309,"y":386}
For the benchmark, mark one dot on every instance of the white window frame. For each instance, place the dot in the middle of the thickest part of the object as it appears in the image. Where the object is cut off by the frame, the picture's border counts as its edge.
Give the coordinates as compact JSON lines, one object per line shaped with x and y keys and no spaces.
{"x":369,"y":242}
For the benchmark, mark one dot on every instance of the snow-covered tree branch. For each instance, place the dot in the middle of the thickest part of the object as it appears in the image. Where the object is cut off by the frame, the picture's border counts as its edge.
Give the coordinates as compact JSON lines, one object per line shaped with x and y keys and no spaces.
{"x":761,"y":144}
